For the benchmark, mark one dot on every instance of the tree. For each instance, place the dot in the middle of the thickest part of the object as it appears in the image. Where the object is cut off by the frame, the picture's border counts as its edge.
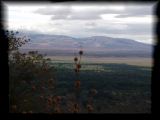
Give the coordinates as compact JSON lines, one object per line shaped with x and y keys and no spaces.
{"x":32,"y":82}
{"x":31,"y":78}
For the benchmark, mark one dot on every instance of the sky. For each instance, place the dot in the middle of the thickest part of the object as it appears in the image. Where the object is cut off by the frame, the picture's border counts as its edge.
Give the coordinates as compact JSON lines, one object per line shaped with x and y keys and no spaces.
{"x":119,"y":20}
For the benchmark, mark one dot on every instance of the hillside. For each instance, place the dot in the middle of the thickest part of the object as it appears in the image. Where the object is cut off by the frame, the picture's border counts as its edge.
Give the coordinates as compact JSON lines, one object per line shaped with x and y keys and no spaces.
{"x":99,"y":46}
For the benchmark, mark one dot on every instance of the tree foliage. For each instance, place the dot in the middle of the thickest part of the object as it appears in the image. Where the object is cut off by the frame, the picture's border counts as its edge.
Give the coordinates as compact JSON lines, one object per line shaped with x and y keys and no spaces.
{"x":29,"y":75}
{"x":32,"y":82}
{"x":14,"y":41}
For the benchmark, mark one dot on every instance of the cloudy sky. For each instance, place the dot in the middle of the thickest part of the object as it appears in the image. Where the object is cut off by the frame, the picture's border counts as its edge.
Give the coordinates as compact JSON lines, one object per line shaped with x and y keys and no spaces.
{"x":120,"y":20}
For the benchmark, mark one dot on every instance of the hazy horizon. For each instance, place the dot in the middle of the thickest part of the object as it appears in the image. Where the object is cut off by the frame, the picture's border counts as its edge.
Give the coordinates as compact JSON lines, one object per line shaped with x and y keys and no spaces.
{"x":118,"y":20}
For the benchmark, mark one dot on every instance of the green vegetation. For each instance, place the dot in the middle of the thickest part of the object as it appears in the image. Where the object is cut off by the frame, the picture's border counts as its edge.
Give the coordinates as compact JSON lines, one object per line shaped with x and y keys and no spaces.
{"x":31,"y":79}
{"x":121,"y":88}
{"x":39,"y":85}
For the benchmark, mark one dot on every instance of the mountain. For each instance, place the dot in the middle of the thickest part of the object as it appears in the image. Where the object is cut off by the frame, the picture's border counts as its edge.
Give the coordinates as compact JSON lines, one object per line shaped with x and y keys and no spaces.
{"x":94,"y":45}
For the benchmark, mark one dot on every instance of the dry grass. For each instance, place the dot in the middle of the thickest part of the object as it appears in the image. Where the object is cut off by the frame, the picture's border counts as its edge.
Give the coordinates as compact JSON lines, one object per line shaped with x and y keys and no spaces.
{"x":139,"y":61}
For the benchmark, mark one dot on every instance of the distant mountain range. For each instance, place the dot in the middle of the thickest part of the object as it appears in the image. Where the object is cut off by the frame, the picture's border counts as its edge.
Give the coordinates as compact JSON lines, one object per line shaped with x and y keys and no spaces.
{"x":93,"y":46}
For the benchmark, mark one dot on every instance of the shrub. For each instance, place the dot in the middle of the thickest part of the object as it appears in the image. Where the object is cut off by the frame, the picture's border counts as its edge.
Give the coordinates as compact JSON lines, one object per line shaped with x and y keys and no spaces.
{"x":30,"y":77}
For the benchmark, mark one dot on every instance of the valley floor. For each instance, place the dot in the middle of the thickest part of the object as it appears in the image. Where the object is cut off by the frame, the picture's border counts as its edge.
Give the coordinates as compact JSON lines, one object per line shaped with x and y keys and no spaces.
{"x":121,"y":88}
{"x":138,"y":61}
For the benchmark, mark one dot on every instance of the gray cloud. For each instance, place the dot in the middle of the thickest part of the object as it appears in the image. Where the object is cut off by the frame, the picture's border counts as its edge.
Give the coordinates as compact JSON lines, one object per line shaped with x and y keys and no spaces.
{"x":91,"y":20}
{"x":92,"y":24}
{"x":85,"y":16}
{"x":58,"y":17}
{"x":131,"y":29}
{"x":139,"y":29}
{"x":67,"y":12}
{"x":136,"y":11}
{"x":98,"y":26}
{"x":76,"y":16}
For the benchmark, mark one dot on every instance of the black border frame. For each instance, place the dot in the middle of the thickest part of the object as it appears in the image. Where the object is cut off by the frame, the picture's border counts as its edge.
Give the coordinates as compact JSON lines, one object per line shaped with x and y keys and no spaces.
{"x":4,"y":67}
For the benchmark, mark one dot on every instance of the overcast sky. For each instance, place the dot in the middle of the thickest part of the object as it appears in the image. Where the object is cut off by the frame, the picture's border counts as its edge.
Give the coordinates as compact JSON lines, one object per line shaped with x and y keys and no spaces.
{"x":120,"y":20}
